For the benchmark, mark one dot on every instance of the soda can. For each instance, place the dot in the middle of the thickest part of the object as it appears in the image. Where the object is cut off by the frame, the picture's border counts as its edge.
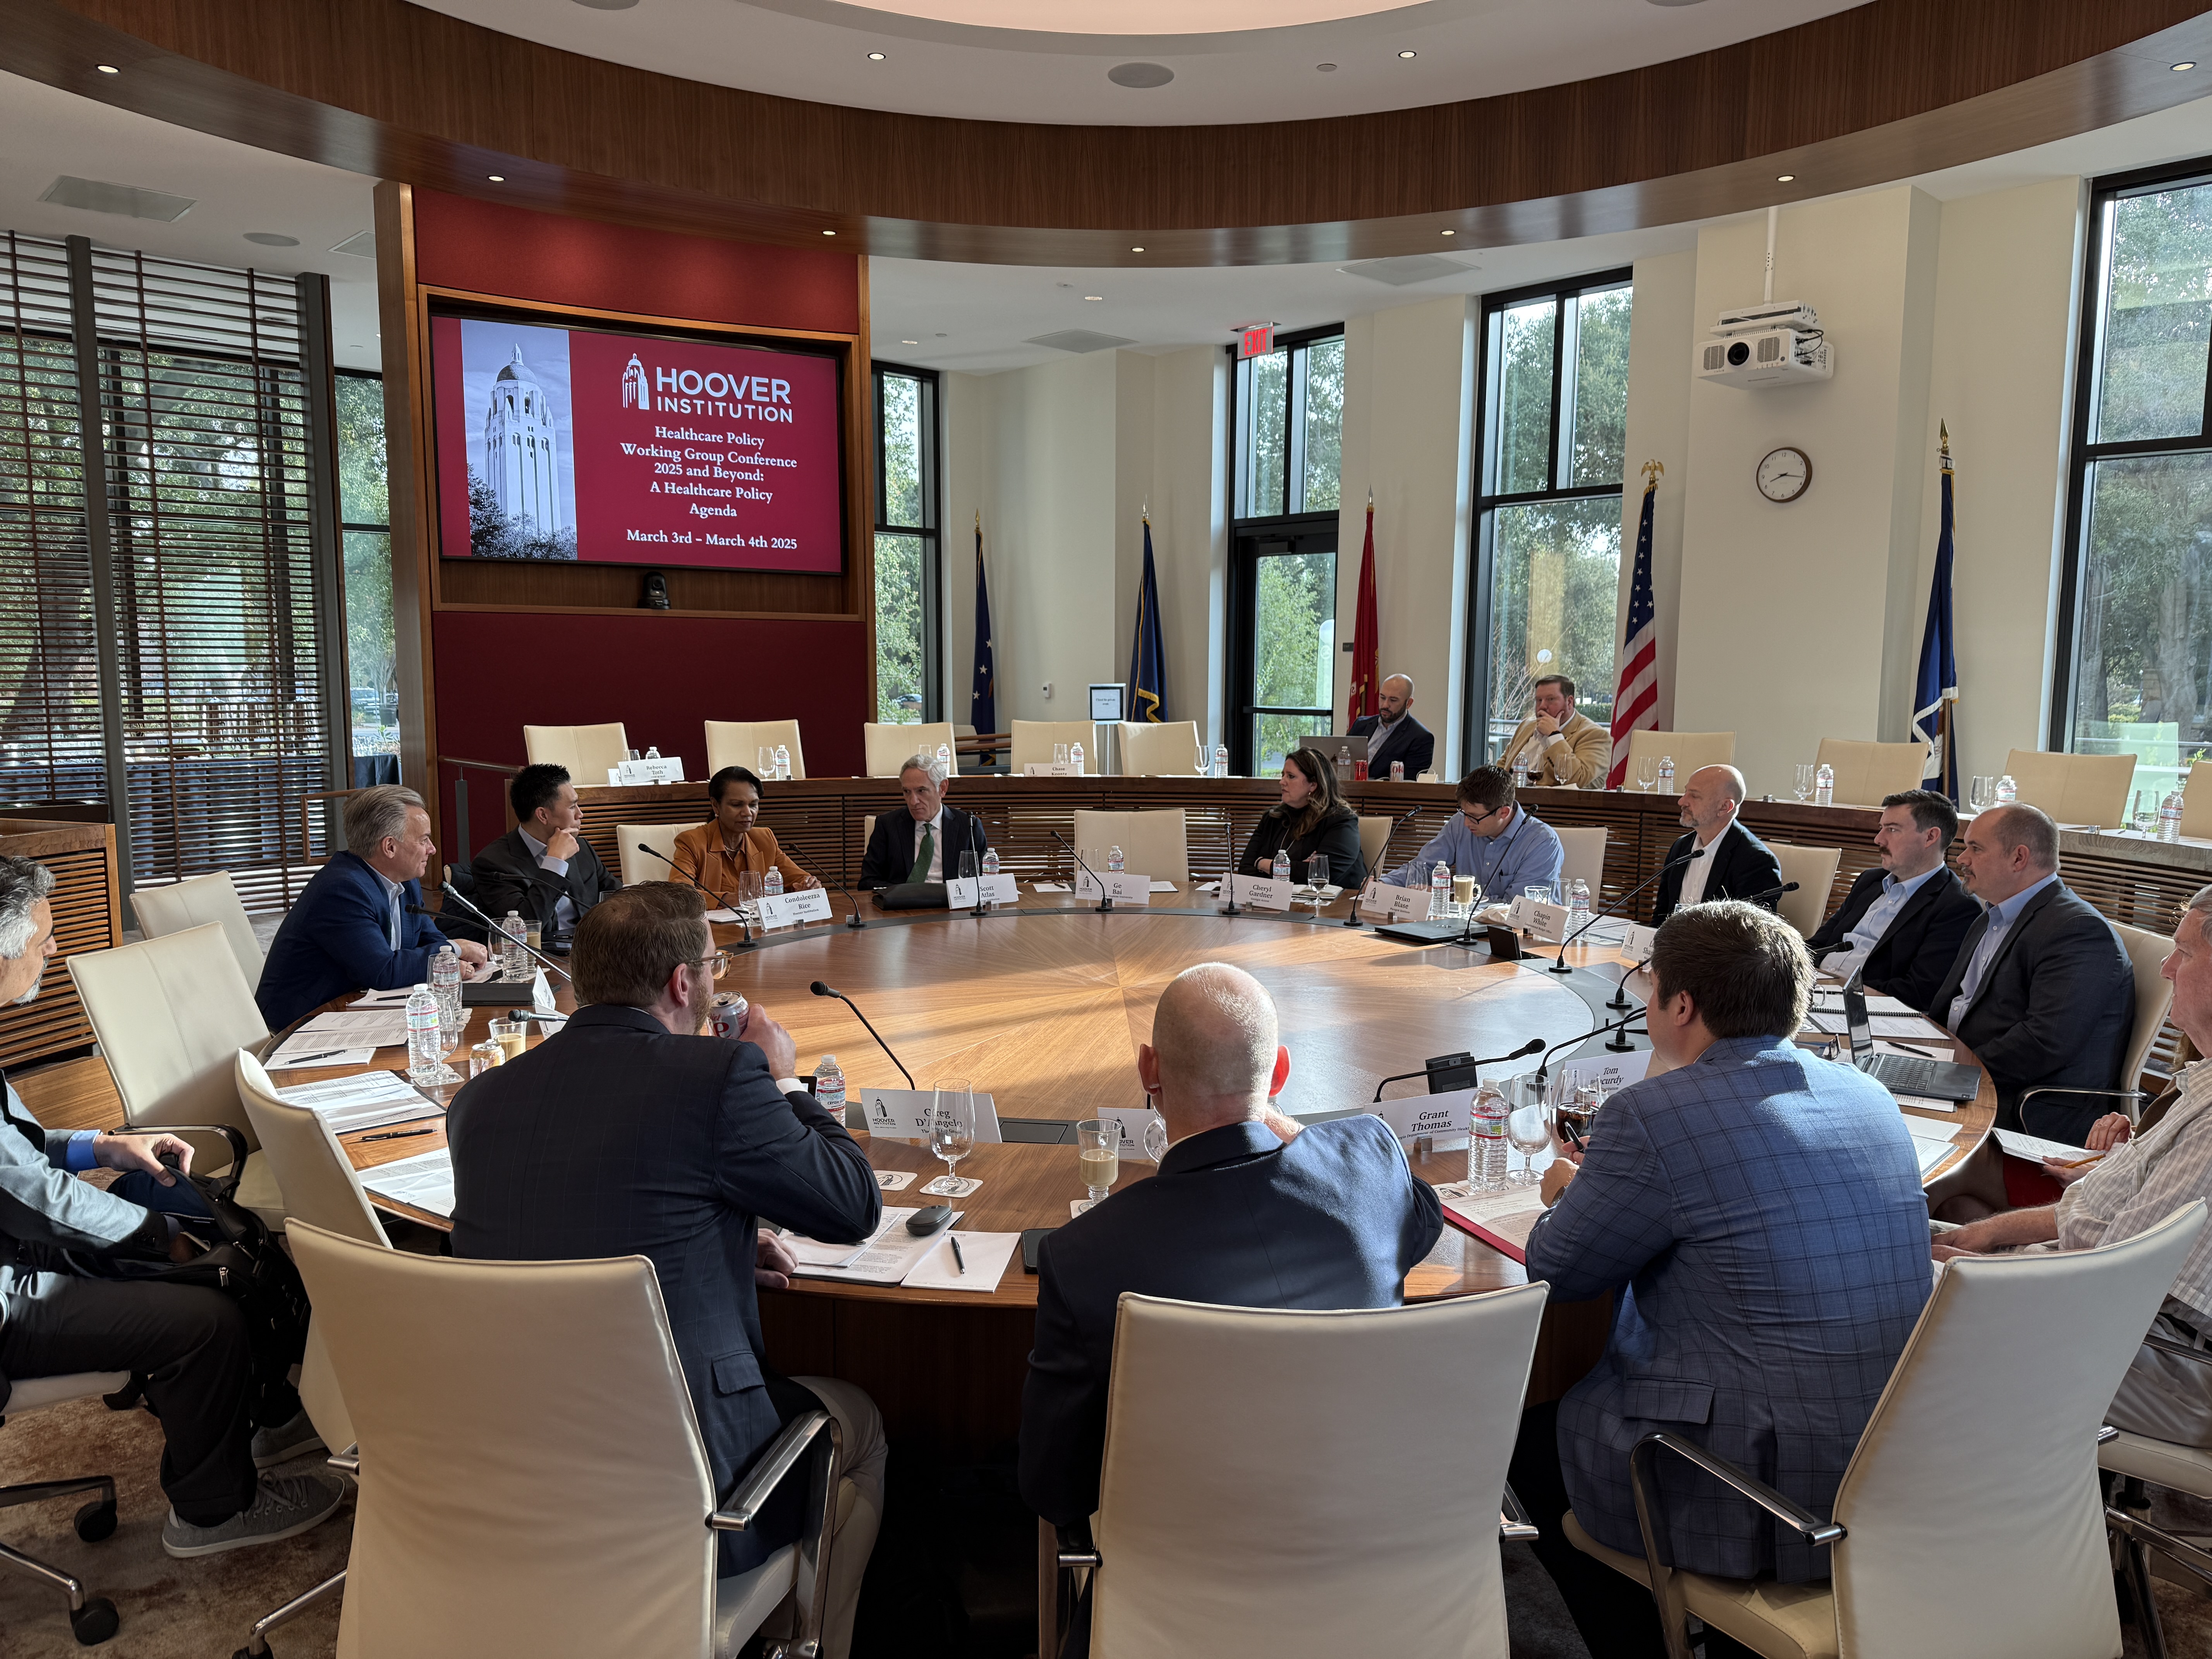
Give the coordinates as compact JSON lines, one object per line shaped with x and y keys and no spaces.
{"x":1397,"y":771}
{"x":728,"y":1017}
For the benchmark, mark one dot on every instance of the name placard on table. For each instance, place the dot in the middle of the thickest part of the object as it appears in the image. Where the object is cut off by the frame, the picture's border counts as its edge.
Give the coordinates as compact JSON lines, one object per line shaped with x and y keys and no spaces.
{"x":1123,"y":889}
{"x":1445,"y":1116}
{"x":1546,"y":922}
{"x":998,"y":889}
{"x":1260,"y":892}
{"x":788,"y":909}
{"x":667,"y":769}
{"x":1395,"y":903}
{"x":903,"y":1114}
{"x":1051,"y":770}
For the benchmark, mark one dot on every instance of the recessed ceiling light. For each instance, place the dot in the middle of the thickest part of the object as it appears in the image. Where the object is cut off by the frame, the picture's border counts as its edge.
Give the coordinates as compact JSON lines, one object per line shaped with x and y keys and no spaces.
{"x":496,"y":178}
{"x":1409,"y":54}
{"x":1326,"y":69}
{"x":875,"y":58}
{"x":1447,"y":232}
{"x":1094,"y":296}
{"x":2190,"y":65}
{"x":1140,"y":74}
{"x":1138,"y":249}
{"x":272,"y":239}
{"x":110,"y":69}
{"x":909,"y":342}
{"x":1785,"y":178}
{"x":829,"y":232}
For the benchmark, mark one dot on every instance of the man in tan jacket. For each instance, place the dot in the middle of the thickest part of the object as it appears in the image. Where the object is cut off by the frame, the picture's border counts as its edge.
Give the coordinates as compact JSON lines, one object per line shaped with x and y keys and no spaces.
{"x":1561,"y":745}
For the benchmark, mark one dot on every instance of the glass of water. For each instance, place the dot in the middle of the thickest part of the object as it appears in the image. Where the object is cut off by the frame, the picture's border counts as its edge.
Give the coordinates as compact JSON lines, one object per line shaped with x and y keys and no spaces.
{"x":1317,"y":876}
{"x":1527,"y":1128}
{"x":749,"y":892}
{"x":952,"y":1131}
{"x":1098,"y":1156}
{"x":1981,"y":791}
{"x":1804,"y":784}
{"x":1647,"y":773}
{"x":1205,"y":760}
{"x":1059,"y":754}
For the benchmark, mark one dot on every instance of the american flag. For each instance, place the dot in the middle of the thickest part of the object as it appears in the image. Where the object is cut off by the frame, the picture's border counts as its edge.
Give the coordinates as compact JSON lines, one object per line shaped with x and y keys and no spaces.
{"x":1636,"y":694}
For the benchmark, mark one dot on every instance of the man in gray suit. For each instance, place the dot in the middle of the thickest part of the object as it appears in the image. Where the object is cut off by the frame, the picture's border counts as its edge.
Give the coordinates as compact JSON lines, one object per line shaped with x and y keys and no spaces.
{"x":2042,"y":990}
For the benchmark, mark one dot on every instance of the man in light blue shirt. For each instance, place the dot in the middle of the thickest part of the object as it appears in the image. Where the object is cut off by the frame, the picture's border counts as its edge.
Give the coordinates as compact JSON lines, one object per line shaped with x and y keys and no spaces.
{"x":1491,"y":839}
{"x":1900,"y":926}
{"x":2001,"y":915}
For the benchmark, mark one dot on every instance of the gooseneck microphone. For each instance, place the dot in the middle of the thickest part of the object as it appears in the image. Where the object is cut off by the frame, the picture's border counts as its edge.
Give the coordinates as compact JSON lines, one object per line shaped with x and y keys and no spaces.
{"x":1770,"y":893}
{"x":1533,"y":1045}
{"x":851,"y":903}
{"x":1398,"y":824}
{"x":736,"y":910}
{"x":453,"y":893}
{"x":1616,"y":1026}
{"x":1613,"y":910}
{"x":822,"y":990}
{"x":1105,"y":899}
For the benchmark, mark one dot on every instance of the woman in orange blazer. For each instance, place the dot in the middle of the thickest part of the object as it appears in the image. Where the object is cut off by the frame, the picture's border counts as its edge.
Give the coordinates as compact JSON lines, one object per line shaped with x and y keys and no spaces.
{"x":717,"y":851}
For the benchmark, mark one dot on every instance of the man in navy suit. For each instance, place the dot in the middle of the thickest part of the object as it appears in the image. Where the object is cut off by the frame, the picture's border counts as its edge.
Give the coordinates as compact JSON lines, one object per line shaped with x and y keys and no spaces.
{"x":1900,"y":925}
{"x":1732,"y":862}
{"x":1394,"y":734}
{"x":627,"y":1132}
{"x":1756,"y":1213}
{"x":925,"y":842}
{"x":351,"y":928}
{"x":1248,"y":1210}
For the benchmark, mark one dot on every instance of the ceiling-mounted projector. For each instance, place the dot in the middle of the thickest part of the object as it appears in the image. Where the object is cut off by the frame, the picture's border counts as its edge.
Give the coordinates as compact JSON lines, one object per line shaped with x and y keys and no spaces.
{"x":1770,"y":357}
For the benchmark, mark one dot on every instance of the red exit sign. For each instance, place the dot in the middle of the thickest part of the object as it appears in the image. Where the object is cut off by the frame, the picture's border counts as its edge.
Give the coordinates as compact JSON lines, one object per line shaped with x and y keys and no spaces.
{"x":1256,"y":340}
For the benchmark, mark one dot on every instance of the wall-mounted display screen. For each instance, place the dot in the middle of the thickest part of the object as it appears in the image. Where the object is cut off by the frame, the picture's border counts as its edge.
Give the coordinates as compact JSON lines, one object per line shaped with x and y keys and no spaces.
{"x":592,"y":445}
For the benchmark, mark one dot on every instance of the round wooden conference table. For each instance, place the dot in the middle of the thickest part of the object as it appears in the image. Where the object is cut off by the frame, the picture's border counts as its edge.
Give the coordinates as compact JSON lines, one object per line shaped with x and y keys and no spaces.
{"x":1042,"y":1006}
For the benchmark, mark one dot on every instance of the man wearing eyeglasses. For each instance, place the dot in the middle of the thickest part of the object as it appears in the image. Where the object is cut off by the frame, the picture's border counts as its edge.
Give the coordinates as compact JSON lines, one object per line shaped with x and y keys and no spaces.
{"x":1491,"y":839}
{"x":630,"y":1133}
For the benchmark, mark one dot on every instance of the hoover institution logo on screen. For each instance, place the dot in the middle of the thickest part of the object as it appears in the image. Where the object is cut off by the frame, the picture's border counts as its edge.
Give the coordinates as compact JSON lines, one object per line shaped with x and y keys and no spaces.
{"x":728,"y":452}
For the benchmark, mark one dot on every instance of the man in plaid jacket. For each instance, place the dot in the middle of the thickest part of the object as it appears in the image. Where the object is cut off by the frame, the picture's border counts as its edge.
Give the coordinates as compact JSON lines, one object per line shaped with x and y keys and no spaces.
{"x":1757,"y":1212}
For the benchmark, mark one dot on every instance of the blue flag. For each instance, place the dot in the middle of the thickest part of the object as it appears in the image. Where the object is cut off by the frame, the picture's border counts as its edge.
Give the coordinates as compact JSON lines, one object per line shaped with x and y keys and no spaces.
{"x":1935,"y":698}
{"x":1148,"y":690}
{"x":983,"y":697}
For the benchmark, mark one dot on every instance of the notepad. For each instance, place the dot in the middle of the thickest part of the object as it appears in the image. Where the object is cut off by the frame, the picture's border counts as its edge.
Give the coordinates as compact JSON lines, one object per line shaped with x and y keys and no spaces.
{"x":366,"y":1101}
{"x":2035,"y":1149}
{"x":1931,"y":1150}
{"x":886,"y":1257}
{"x":986,"y":1254}
{"x":424,"y":1182}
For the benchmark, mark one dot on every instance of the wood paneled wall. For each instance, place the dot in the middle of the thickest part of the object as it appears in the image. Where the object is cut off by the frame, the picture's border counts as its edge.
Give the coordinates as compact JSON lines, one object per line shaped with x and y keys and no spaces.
{"x":88,"y":909}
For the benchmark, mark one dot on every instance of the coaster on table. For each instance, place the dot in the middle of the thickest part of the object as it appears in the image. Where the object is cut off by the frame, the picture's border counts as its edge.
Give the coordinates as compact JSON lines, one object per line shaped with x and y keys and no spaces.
{"x":951,"y":1187}
{"x":892,"y":1181}
{"x":1076,"y":1206}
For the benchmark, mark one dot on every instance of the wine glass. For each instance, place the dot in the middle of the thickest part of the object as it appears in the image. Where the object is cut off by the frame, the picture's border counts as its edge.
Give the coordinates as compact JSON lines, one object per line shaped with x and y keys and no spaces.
{"x":749,"y":893}
{"x":1978,"y":793}
{"x":1156,"y":1137}
{"x":1098,"y":1156}
{"x":1205,"y":760}
{"x":1529,"y":1128}
{"x":1317,"y":876}
{"x":951,"y":1133}
{"x":1059,"y":754}
{"x":1647,"y":773}
{"x":1804,"y":784}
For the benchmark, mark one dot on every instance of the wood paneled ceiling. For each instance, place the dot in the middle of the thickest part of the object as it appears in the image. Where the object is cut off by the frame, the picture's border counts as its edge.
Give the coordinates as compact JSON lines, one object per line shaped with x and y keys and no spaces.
{"x":1879,"y":92}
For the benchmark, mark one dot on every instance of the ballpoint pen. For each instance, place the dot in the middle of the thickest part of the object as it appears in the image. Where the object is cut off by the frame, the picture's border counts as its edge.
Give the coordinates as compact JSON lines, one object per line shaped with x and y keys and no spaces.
{"x":301,"y":1059}
{"x":960,"y":1260}
{"x":1908,"y":1049}
{"x":395,"y":1134}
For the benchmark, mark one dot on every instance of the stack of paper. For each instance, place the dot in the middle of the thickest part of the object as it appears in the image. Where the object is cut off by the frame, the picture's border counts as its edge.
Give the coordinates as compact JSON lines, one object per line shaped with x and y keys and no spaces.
{"x":424,"y":1182}
{"x":1931,"y":1148}
{"x":2035,"y":1149}
{"x":886,"y":1257}
{"x":986,"y":1256}
{"x":381,"y":1027}
{"x":1502,"y":1220}
{"x":366,"y":1102}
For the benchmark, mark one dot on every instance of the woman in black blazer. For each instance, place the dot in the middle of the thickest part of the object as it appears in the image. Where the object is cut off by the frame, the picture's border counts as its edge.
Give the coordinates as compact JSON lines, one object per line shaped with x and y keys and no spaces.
{"x":1311,"y":819}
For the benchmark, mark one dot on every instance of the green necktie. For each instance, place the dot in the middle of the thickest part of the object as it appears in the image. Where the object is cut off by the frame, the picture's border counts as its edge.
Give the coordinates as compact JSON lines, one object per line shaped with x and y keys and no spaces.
{"x":922,"y":854}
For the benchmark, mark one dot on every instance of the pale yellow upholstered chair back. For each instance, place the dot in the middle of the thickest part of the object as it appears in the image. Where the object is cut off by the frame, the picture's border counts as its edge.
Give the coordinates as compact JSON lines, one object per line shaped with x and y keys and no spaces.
{"x":1865,"y":772}
{"x":867,"y":832}
{"x":1691,"y":750}
{"x":194,"y":903}
{"x":738,"y":742}
{"x":1375,"y":843}
{"x":171,"y":1014}
{"x":1153,"y":843}
{"x":636,"y":866}
{"x":2074,"y":789}
{"x":2197,"y":802}
{"x":889,"y":747}
{"x":521,"y":1492}
{"x":1167,"y":750}
{"x":588,"y":751}
{"x":1814,"y":870}
{"x":1975,"y":1522}
{"x":2146,"y":955}
{"x":1034,"y":741}
{"x":1214,"y":1537}
{"x":1583,"y":861}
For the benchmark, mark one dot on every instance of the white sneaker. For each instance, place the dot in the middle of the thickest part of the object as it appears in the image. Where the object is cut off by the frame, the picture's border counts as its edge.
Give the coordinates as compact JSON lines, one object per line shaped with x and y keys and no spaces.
{"x":284,"y":1507}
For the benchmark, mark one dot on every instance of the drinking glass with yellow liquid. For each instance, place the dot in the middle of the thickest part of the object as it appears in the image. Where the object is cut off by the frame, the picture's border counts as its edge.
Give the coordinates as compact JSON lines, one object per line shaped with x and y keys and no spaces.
{"x":509,"y":1034}
{"x":1465,"y":893}
{"x":1098,"y":1156}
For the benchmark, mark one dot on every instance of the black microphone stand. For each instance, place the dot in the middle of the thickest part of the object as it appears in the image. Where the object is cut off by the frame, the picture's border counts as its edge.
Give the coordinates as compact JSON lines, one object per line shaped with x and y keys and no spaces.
{"x":822,"y":990}
{"x":852,"y":903}
{"x":1105,"y":899}
{"x":975,"y":829}
{"x":1619,"y":998}
{"x":736,"y":910}
{"x":1352,"y":920}
{"x":493,"y":928}
{"x":1617,"y":1026}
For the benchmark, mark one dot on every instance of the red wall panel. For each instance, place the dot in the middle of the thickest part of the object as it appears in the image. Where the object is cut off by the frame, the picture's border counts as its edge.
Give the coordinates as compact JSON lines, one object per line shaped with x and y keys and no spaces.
{"x":489,"y":249}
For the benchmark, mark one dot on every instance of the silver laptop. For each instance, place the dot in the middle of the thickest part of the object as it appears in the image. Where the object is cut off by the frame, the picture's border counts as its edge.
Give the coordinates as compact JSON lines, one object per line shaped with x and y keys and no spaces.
{"x":1336,"y":742}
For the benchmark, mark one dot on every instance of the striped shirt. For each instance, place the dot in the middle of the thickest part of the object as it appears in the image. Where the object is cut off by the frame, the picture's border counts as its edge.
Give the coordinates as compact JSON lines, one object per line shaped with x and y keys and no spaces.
{"x":2139,"y":1183}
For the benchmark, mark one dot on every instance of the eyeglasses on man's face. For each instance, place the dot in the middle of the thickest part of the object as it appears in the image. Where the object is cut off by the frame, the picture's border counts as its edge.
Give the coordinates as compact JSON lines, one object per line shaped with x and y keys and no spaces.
{"x":715,"y":962}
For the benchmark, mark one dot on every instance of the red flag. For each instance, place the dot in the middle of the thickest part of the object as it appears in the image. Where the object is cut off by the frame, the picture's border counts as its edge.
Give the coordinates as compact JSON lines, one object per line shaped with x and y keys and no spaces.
{"x":1365,"y":630}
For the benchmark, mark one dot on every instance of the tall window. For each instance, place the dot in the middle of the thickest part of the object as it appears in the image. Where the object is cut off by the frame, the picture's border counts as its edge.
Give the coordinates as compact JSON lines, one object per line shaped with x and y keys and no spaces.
{"x":907,"y":565}
{"x":365,"y":523}
{"x":1288,"y":423}
{"x":1547,"y":522}
{"x":2137,"y":601}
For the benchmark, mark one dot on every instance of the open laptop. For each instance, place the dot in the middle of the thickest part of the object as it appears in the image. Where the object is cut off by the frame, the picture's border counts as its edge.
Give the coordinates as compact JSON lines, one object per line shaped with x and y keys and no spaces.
{"x":1336,"y":741}
{"x":1903,"y":1074}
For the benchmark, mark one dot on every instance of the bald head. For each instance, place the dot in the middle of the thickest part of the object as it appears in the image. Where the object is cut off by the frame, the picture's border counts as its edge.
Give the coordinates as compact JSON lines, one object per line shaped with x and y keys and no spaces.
{"x":1213,"y":1057}
{"x":1709,"y":799}
{"x":2006,"y":850}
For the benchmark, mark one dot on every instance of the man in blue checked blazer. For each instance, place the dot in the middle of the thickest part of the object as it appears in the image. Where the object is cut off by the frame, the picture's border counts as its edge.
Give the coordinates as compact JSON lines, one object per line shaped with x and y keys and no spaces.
{"x":1756,"y":1213}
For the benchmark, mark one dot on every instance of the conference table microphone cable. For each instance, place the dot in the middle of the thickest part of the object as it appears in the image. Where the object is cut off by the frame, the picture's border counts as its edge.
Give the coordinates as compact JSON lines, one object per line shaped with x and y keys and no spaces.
{"x":1533,"y":1045}
{"x":453,"y":893}
{"x":822,"y":990}
{"x":736,"y":910}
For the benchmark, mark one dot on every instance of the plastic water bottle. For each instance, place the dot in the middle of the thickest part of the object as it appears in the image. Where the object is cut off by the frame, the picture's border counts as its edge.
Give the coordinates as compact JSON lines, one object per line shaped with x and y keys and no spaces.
{"x":1666,"y":775}
{"x":829,"y":1087}
{"x":1280,"y":869}
{"x":1521,"y":769}
{"x":1075,"y":758}
{"x":1344,"y":759}
{"x":2169,"y":814}
{"x":944,"y":759}
{"x":990,"y":869}
{"x":1220,"y":760}
{"x":782,"y":762}
{"x":1115,"y":864}
{"x":1487,"y":1157}
{"x":772,"y":886}
{"x":426,"y":1049}
{"x":514,"y":961}
{"x":1578,"y":909}
{"x":1440,"y":892}
{"x":446,"y":985}
{"x":651,"y":751}
{"x":1823,"y":785}
{"x":2008,"y":791}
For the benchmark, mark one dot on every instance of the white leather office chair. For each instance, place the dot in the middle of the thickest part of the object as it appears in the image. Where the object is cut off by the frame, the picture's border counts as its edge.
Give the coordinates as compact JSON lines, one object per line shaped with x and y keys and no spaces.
{"x":2146,"y":955}
{"x":171,"y":1014}
{"x":889,"y":747}
{"x":1865,"y":772}
{"x":2142,"y":1460}
{"x":1210,"y":1538}
{"x":92,"y":1617}
{"x":1814,"y":870}
{"x":171,"y":909}
{"x":636,"y":866}
{"x":1583,"y":861}
{"x":1153,"y":844}
{"x":1969,"y":1521}
{"x":1691,"y":750}
{"x":591,"y":1516}
{"x":1034,"y":741}
{"x":588,"y":751}
{"x":1166,"y":750}
{"x":2074,"y":789}
{"x":738,"y":742}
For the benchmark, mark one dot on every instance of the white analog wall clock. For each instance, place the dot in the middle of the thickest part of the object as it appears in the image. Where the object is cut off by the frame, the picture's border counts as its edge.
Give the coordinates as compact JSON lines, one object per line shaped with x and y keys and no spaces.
{"x":1783,"y":474}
